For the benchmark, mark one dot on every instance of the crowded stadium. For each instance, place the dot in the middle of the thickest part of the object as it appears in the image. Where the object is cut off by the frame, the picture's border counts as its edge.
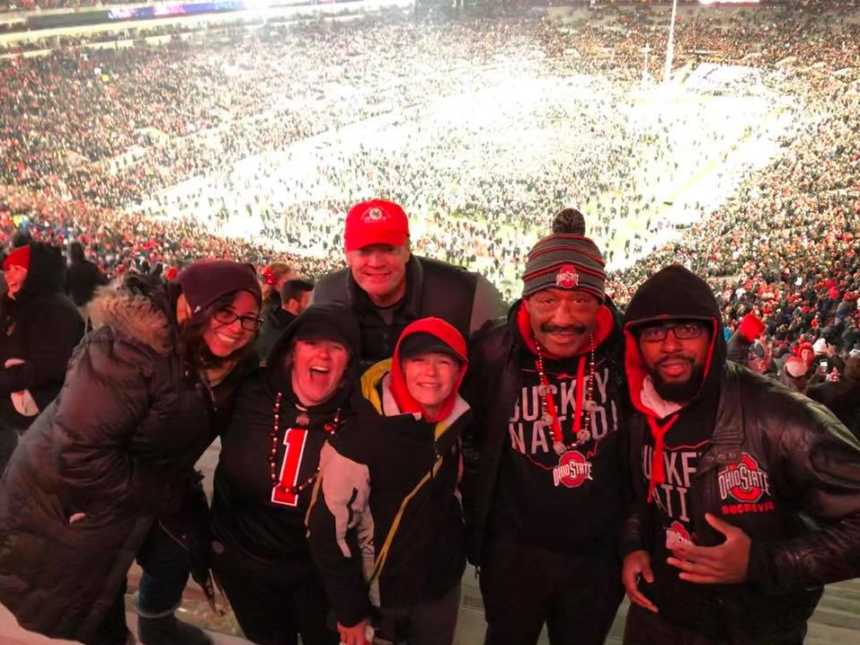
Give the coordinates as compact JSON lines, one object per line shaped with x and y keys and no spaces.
{"x":269,"y":216}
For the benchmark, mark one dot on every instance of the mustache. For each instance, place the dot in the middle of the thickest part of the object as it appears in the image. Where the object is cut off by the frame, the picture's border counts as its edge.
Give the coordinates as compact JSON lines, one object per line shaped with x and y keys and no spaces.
{"x":549,"y":328}
{"x":662,"y":361}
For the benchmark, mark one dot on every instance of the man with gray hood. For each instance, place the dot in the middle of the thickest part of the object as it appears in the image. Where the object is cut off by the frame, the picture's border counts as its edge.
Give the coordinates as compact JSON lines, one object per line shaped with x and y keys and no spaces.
{"x":747,"y":495}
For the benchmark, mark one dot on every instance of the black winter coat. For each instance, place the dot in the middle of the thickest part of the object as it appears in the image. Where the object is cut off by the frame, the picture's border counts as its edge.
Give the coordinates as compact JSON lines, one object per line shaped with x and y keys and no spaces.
{"x":811,"y":467}
{"x":118,"y":444}
{"x":493,"y":384}
{"x":82,"y":279}
{"x":433,"y":288}
{"x":386,"y":523}
{"x":40,"y":327}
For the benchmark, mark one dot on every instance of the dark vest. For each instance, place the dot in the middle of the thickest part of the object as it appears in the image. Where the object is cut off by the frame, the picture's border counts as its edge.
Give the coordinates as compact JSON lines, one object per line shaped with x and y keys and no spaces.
{"x":433,"y":288}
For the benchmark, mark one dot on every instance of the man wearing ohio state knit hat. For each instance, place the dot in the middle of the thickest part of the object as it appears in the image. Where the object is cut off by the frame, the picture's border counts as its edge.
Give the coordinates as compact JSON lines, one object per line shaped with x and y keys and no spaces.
{"x":388,"y":287}
{"x":543,"y":488}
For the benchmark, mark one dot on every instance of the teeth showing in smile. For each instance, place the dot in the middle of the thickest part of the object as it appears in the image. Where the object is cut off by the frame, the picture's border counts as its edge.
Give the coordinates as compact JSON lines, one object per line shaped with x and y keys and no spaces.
{"x":319,"y":370}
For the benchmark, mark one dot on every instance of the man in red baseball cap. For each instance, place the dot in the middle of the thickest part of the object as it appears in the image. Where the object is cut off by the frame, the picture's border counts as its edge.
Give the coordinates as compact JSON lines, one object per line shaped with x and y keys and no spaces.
{"x":388,"y":287}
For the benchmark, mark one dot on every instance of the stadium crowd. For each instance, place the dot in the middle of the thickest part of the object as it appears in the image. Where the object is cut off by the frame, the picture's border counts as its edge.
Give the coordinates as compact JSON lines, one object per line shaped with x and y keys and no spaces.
{"x":135,"y":168}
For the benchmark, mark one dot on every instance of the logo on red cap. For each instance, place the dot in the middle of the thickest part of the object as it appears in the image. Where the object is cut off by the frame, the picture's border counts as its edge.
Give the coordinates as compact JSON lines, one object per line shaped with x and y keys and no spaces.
{"x":567,"y":277}
{"x":373,"y":215}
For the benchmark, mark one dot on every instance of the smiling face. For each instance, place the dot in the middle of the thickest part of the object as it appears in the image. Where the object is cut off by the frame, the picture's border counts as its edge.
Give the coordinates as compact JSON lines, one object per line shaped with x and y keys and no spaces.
{"x":676,"y":365}
{"x":233,"y":327}
{"x":317,"y":369}
{"x":562,"y":319}
{"x":15,"y":277}
{"x":380,"y":270}
{"x":430,"y":379}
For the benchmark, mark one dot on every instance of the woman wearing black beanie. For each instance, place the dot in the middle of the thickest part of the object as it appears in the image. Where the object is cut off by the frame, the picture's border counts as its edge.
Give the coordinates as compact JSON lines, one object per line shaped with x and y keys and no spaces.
{"x":269,"y":460}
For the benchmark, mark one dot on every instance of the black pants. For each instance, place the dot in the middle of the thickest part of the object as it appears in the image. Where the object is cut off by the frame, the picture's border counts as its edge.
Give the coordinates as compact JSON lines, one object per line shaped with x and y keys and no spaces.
{"x":166,"y":566}
{"x":274,"y":604}
{"x":646,"y":628}
{"x":576,"y":595}
{"x":428,"y":623}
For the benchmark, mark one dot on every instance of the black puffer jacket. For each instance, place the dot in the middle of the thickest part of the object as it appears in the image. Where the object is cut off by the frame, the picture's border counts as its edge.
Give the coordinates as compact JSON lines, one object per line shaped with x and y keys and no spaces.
{"x":118,"y":444}
{"x":776,"y":465}
{"x":41,"y":327}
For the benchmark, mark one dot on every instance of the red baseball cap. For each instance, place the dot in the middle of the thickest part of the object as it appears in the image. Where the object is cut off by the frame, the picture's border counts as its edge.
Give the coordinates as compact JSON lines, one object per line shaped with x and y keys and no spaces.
{"x":376,"y":221}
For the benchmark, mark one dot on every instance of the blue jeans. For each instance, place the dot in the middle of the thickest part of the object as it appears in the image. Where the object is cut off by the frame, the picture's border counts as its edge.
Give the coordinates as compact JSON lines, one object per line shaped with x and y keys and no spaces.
{"x":166,"y":565}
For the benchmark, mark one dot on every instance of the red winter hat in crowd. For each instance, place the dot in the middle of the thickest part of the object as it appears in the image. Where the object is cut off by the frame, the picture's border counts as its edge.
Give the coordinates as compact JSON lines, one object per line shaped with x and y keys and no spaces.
{"x":376,"y":221}
{"x":750,"y":327}
{"x":20,"y":257}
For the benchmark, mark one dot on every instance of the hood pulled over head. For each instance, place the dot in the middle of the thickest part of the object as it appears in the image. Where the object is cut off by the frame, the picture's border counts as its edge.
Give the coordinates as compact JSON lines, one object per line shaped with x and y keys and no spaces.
{"x":422,"y":336}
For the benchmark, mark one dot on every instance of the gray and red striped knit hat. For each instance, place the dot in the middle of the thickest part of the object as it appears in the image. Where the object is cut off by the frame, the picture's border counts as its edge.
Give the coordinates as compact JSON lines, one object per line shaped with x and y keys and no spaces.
{"x":565,"y":261}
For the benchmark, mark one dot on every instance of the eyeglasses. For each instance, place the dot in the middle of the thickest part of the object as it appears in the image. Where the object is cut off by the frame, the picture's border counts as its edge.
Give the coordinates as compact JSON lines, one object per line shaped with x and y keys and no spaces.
{"x":682,"y":331}
{"x":228,"y":317}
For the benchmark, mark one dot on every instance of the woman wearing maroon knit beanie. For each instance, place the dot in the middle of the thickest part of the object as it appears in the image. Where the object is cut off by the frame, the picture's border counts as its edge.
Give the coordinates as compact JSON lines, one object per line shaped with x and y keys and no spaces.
{"x":94,"y":476}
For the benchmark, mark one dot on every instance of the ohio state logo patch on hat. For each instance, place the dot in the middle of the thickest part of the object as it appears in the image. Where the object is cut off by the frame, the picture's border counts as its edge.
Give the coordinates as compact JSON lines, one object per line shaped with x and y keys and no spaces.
{"x":572,"y":470}
{"x":567,"y":277}
{"x":373,"y":215}
{"x":745,"y":481}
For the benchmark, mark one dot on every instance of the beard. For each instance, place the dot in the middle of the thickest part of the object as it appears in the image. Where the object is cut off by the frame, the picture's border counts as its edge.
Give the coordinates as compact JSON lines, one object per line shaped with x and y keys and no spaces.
{"x":678,"y":392}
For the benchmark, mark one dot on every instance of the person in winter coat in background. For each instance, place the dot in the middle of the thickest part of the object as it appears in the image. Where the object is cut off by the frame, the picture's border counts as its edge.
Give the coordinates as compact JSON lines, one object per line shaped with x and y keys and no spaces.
{"x":40,"y":329}
{"x":116,"y":449}
{"x":82,"y":276}
{"x":295,"y":296}
{"x":386,"y":523}
{"x":747,"y":494}
{"x":269,"y":461}
{"x":842,"y":396}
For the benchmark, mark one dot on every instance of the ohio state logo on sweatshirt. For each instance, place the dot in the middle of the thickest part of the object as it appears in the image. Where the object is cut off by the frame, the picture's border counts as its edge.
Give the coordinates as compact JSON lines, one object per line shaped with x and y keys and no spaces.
{"x":746,"y":483}
{"x":572,"y":470}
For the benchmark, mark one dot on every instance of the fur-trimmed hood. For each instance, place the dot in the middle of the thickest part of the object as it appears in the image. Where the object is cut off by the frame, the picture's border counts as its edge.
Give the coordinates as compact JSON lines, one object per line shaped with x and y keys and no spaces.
{"x":134,"y":314}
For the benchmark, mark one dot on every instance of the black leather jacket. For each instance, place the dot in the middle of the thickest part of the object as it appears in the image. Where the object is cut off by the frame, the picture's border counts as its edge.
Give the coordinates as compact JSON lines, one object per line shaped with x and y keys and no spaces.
{"x":810,"y":536}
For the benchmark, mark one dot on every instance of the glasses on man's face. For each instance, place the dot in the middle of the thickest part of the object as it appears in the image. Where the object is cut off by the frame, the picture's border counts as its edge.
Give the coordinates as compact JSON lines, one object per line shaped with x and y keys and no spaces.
{"x":228,"y":317}
{"x":682,"y":331}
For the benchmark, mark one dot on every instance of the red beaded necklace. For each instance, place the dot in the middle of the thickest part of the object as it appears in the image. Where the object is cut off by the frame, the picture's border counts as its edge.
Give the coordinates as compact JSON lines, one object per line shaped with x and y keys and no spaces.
{"x":584,"y":403}
{"x":301,"y":420}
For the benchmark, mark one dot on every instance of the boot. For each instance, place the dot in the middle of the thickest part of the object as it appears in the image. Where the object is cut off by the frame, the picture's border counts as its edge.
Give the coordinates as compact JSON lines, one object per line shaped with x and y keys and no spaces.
{"x":168,"y":630}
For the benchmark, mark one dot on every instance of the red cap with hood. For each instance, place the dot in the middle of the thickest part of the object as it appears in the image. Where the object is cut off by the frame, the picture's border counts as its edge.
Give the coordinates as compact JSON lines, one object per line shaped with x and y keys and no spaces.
{"x":449,"y":335}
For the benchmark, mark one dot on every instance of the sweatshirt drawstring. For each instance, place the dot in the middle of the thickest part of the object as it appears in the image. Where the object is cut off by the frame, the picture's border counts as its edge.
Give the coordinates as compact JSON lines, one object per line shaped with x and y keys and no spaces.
{"x":658,"y":470}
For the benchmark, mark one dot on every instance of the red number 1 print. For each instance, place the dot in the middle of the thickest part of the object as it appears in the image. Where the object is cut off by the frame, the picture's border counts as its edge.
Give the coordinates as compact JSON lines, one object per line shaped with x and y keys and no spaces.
{"x":282,"y":493}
